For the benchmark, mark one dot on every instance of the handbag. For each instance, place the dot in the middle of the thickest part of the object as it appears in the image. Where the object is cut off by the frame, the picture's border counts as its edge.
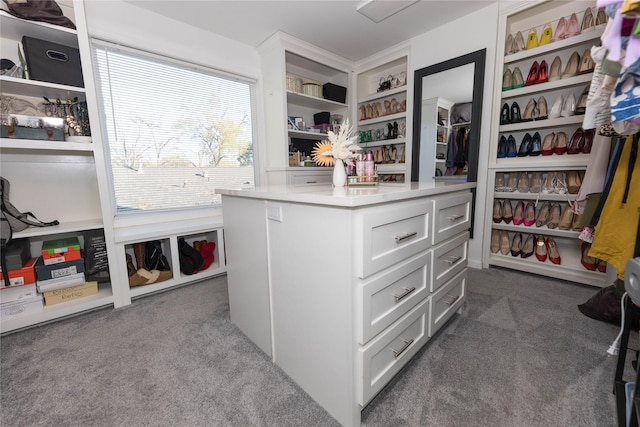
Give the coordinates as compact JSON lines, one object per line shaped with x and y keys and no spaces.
{"x":12,"y":220}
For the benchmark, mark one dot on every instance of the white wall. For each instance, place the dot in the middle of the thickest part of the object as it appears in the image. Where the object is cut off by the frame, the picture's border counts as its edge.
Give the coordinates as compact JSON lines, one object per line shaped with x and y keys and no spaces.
{"x":467,"y":34}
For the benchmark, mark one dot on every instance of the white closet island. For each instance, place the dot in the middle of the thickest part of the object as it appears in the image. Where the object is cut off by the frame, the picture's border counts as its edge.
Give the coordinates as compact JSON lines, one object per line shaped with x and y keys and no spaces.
{"x":342,"y":286}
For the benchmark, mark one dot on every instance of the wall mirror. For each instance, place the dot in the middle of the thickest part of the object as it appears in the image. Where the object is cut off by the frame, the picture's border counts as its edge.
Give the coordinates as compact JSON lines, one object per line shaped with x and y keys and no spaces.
{"x":447,"y":111}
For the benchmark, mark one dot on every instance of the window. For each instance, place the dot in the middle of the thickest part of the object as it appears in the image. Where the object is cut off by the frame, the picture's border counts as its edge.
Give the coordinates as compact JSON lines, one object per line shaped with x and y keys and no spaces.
{"x":174,"y":131}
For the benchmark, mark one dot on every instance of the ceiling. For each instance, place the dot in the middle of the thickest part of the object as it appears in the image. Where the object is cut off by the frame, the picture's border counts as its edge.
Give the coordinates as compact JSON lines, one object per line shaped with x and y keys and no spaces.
{"x":334,"y":25}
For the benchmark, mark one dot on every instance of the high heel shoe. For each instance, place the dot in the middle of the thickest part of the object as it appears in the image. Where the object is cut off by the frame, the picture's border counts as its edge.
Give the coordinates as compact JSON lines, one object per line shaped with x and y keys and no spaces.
{"x":554,"y":216}
{"x":560,"y":144}
{"x":549,"y":183}
{"x":601,"y":18}
{"x":587,"y":262}
{"x":555,"y":70}
{"x":576,"y":224}
{"x":515,"y":117}
{"x":545,"y":37}
{"x":516,"y":244}
{"x":541,"y":249}
{"x":556,"y":108}
{"x":507,"y":211}
{"x":509,"y":45}
{"x":499,"y":186}
{"x":552,"y":251}
{"x":511,"y":147}
{"x":529,"y":214}
{"x":519,"y":42}
{"x":565,"y":220}
{"x":588,"y":23}
{"x":532,"y":39}
{"x":560,"y":184}
{"x":532,"y":78}
{"x":502,"y":147}
{"x":517,"y":79}
{"x":497,"y":211}
{"x":569,"y":106}
{"x":572,"y":66}
{"x":576,"y":141}
{"x":512,"y":182}
{"x":561,"y":30}
{"x":507,"y":80}
{"x":505,"y":245}
{"x":535,"y":185}
{"x":542,"y":109}
{"x":543,"y":214}
{"x":518,"y":213}
{"x":543,"y":72}
{"x":536,"y":145}
{"x":589,"y":134}
{"x":587,"y":65}
{"x":581,"y":106}
{"x":601,"y":265}
{"x":505,"y":115}
{"x":573,"y":182}
{"x":547,"y":144}
{"x":573,"y":26}
{"x":495,"y":241}
{"x":528,"y":247}
{"x":529,"y":111}
{"x":525,"y":145}
{"x":523,"y":182}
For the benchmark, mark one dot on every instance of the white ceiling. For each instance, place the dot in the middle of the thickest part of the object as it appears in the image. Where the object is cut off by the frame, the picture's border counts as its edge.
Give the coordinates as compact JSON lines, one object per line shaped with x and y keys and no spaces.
{"x":334,"y":25}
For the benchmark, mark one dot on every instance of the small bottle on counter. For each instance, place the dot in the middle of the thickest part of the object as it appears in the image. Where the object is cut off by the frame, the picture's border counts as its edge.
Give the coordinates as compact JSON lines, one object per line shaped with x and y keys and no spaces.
{"x":360,"y":166}
{"x":308,"y":162}
{"x":369,"y":167}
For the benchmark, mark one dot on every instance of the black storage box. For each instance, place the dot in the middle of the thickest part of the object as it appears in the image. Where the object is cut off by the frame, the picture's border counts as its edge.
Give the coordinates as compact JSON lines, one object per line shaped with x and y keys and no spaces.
{"x":18,"y":252}
{"x":61,"y":269}
{"x":321,"y":118}
{"x":52,"y":62}
{"x":334,"y":92}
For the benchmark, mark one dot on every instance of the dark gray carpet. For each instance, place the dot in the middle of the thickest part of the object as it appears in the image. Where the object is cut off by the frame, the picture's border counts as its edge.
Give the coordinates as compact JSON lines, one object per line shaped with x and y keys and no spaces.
{"x":520,"y":354}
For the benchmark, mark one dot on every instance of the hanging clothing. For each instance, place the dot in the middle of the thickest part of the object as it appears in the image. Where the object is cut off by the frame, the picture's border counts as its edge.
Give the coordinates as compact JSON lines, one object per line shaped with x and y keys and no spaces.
{"x":593,"y":181}
{"x":616,"y":231}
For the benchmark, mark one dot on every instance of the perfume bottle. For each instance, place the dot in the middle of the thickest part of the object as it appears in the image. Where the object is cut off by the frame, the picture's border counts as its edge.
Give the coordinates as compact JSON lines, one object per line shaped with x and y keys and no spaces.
{"x":369,"y":167}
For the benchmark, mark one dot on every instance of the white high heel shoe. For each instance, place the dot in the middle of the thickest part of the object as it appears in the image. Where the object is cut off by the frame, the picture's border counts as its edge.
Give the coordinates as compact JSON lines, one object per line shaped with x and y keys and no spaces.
{"x":569,"y":106}
{"x":556,"y":108}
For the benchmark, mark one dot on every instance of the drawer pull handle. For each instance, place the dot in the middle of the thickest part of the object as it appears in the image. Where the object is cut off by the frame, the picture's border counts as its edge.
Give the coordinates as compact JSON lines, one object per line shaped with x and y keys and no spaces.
{"x":453,"y":299}
{"x":407,"y":343}
{"x":406,"y":236}
{"x":406,"y":292}
{"x":452,"y":260}
{"x":455,"y":217}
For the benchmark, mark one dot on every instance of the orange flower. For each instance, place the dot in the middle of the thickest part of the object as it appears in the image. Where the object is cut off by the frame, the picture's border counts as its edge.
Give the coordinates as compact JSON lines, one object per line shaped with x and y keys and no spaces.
{"x":322,"y":153}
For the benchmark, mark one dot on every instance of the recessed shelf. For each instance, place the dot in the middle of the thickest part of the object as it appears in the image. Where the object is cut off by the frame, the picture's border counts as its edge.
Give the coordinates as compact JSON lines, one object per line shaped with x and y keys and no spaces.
{"x":578,"y":80}
{"x":555,"y":46}
{"x":33,"y":144}
{"x":387,"y":118}
{"x":38,"y":89}
{"x":546,"y":123}
{"x":383,"y":94}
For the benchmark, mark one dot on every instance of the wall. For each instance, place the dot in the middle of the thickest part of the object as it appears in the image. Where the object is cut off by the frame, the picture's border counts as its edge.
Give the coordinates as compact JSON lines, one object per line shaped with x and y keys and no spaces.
{"x":467,"y":34}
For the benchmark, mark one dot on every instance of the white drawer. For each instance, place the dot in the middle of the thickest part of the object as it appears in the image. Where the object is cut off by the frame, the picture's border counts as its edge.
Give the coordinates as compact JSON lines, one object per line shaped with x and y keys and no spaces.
{"x":447,"y":300}
{"x":449,"y":258}
{"x":381,"y":359}
{"x":384,"y":298}
{"x":308,"y":178}
{"x":452,"y":215}
{"x":390,"y":234}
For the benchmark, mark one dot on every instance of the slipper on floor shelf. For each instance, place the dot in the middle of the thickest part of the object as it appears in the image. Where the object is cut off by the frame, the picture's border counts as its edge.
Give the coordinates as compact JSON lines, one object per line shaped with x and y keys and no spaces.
{"x":146,"y":277}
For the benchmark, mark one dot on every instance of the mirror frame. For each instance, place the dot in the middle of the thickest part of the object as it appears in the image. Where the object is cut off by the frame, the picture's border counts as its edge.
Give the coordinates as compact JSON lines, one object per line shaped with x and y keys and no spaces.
{"x":476,"y":58}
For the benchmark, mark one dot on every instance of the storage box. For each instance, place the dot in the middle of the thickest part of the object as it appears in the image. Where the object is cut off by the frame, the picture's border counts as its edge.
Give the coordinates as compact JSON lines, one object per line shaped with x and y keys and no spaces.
{"x":29,"y":303}
{"x":60,"y":283}
{"x":60,"y":246}
{"x":52,"y":62}
{"x":69,"y":294}
{"x":21,"y":132}
{"x":311,"y":89}
{"x":16,"y":292}
{"x":334,"y":92}
{"x":55,"y":271}
{"x":50,"y":259}
{"x":321,"y":118}
{"x":24,"y":275}
{"x":17,"y":253}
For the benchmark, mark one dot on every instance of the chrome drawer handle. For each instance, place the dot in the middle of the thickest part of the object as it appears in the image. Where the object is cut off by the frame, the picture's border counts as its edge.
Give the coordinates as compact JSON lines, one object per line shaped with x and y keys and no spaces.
{"x":407,"y":343}
{"x":406,"y":292}
{"x":455,"y":217}
{"x":453,"y":300}
{"x":452,"y":260}
{"x":406,"y":236}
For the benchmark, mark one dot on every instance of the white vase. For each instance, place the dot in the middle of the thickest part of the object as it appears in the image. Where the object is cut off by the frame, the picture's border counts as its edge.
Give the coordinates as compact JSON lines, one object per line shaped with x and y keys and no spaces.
{"x":339,"y":174}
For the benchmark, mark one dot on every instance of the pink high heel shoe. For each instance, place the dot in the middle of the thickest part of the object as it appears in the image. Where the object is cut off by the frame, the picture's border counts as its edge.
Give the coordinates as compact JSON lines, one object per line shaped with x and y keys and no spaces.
{"x":573,"y":27}
{"x":561,"y":30}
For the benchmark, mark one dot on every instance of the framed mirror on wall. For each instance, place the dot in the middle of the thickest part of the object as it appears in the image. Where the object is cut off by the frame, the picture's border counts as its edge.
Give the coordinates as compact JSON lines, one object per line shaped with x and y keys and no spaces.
{"x":447,"y":115}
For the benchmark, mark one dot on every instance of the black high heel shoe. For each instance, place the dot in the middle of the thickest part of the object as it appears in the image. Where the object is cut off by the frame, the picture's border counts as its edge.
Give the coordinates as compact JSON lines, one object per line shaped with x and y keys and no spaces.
{"x":515,"y":113}
{"x":525,"y":146}
{"x":502,"y":147}
{"x":535,"y":148}
{"x":511,"y":147}
{"x":505,"y":115}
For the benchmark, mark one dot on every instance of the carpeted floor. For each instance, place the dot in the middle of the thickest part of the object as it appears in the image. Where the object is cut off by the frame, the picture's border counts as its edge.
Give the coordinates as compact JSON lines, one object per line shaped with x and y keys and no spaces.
{"x":520,"y":354}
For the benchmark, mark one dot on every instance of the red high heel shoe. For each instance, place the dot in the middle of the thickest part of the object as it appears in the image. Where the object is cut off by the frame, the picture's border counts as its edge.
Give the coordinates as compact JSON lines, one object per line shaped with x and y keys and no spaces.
{"x":588,"y":262}
{"x":532,"y":78}
{"x":541,"y":249}
{"x":576,"y":142}
{"x":552,"y":250}
{"x":589,"y":134}
{"x":543,"y":75}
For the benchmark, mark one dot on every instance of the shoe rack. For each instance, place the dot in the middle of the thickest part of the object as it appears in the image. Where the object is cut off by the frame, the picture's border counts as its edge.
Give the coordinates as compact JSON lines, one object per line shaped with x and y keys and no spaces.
{"x":539,"y":149}
{"x":294,"y":74}
{"x":383,"y":113}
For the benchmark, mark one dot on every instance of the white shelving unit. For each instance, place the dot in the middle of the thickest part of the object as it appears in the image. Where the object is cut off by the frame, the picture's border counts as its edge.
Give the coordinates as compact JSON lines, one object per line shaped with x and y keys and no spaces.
{"x":380,"y":111}
{"x":52,"y":179}
{"x":522,"y":17}
{"x":434,"y":134}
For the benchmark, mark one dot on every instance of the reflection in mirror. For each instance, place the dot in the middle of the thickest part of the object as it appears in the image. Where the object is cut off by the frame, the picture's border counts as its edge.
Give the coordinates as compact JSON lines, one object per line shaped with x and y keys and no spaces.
{"x":446,"y":119}
{"x":446,"y":134}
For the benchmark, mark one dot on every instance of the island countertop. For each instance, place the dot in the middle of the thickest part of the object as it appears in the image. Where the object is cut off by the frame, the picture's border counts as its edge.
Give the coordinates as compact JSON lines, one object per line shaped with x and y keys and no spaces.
{"x":354,"y":196}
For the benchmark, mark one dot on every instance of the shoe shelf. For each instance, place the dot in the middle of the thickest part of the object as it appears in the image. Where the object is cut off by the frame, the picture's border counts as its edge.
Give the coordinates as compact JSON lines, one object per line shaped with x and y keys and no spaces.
{"x":516,"y":195}
{"x":387,"y":118}
{"x":588,"y":36}
{"x":64,"y":227}
{"x":578,"y":80}
{"x":545,"y":123}
{"x":34,"y":144}
{"x":382,"y":142}
{"x":554,"y":161}
{"x":544,"y":230}
{"x":391,"y":167}
{"x":383,"y":94}
{"x":313,"y":102}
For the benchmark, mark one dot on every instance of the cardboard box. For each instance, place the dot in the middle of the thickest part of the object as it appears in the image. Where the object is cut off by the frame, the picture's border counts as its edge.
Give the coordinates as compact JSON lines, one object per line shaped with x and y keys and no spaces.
{"x":17,"y":253}
{"x":28,"y":303}
{"x":69,"y":294}
{"x":55,"y":271}
{"x":16,"y":292}
{"x":25,"y":275}
{"x":60,"y":246}
{"x":50,"y":259}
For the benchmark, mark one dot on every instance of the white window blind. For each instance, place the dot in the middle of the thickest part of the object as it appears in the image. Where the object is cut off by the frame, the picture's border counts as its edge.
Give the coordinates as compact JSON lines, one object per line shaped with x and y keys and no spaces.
{"x":174,"y":131}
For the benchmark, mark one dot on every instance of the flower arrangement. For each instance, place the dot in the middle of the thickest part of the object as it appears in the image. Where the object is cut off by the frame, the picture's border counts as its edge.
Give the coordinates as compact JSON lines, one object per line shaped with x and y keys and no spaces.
{"x":340,"y":146}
